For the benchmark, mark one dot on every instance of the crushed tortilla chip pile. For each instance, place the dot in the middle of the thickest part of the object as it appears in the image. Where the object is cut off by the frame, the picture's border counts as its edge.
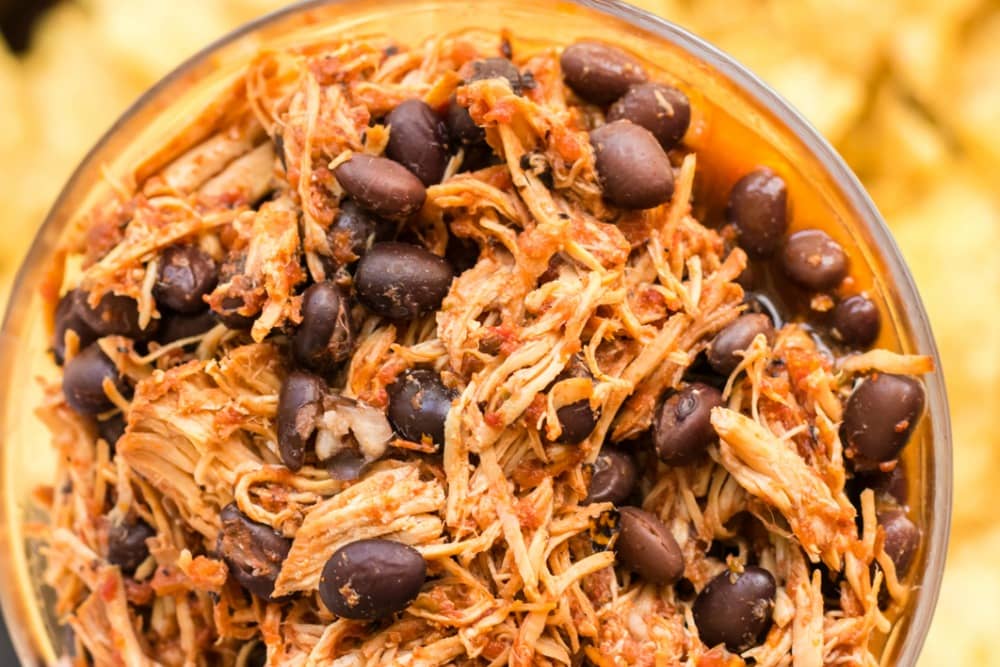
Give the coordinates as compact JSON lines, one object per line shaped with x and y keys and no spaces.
{"x":907,"y":90}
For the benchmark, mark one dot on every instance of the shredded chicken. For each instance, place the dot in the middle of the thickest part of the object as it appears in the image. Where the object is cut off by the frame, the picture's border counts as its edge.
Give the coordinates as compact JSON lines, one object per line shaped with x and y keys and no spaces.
{"x":517,"y":575}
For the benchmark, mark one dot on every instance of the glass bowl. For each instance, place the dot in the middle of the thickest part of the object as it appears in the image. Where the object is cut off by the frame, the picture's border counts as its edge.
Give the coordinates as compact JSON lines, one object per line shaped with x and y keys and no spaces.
{"x":731,"y":106}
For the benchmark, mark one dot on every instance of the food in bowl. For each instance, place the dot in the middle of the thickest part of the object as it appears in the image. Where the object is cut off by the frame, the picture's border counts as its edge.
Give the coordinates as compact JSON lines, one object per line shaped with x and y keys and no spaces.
{"x":420,"y":355}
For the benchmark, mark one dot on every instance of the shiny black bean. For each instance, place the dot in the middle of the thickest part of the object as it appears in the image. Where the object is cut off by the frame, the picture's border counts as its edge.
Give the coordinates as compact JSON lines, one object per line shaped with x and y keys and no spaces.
{"x":902,"y":539}
{"x":682,"y":428}
{"x":760,"y":303}
{"x":856,"y":321}
{"x":577,"y":419}
{"x":402,"y":281}
{"x":614,"y":478}
{"x":300,"y":404}
{"x":758,"y":207}
{"x":371,"y":579}
{"x":186,"y":274}
{"x":232,"y":316}
{"x":253,"y":552}
{"x":325,"y":337}
{"x":346,"y":465}
{"x":382,"y":186}
{"x":634,"y":171}
{"x":354,"y":231}
{"x":417,"y":140}
{"x":879,"y":417}
{"x":127,"y":544}
{"x":462,"y":130}
{"x":114,"y":315}
{"x":83,"y":381}
{"x":479,"y":156}
{"x":736,"y":338}
{"x":646,"y":546}
{"x":889,"y":486}
{"x":814,"y":260}
{"x":663,"y":110}
{"x":176,"y":326}
{"x":497,"y":68}
{"x":599,"y":73}
{"x":735,"y":609}
{"x":418,"y":405}
{"x":66,"y":319}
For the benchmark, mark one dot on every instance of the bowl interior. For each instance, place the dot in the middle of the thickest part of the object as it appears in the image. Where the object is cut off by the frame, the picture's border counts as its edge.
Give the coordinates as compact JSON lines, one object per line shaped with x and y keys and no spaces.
{"x":738,"y":122}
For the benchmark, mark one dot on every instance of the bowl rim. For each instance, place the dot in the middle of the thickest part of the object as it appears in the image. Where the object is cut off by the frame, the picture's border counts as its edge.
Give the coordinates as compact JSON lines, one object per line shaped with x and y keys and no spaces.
{"x":756,"y":89}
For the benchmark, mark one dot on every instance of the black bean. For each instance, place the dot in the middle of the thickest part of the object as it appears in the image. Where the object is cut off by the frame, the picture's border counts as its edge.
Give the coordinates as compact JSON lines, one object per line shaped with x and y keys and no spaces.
{"x":663,"y":110}
{"x":176,"y":326}
{"x":66,"y":319}
{"x":462,"y":130}
{"x":577,"y":419}
{"x":418,"y":405}
{"x":758,"y":207}
{"x":186,"y":274}
{"x":371,"y":579}
{"x":814,"y":260}
{"x":646,"y":546}
{"x":634,"y":171}
{"x":701,"y":371}
{"x":114,"y":315}
{"x":479,"y":156}
{"x":879,"y":417}
{"x":497,"y":68}
{"x":889,"y":486}
{"x":399,"y":280}
{"x":253,"y":552}
{"x":325,"y":337}
{"x":127,"y":544}
{"x":111,"y":429}
{"x":382,"y":186}
{"x":346,"y":465}
{"x":682,"y":428}
{"x":353,"y":232}
{"x":83,"y":381}
{"x":230,"y":315}
{"x":736,"y":338}
{"x":735,"y":609}
{"x":599,"y":73}
{"x":300,"y":404}
{"x":760,"y":303}
{"x":417,"y":140}
{"x":856,"y":321}
{"x":902,"y":539}
{"x":615,"y":475}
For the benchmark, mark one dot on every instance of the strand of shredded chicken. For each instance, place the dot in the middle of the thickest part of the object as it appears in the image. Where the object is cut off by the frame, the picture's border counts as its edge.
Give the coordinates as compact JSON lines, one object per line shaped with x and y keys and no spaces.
{"x":516,"y":577}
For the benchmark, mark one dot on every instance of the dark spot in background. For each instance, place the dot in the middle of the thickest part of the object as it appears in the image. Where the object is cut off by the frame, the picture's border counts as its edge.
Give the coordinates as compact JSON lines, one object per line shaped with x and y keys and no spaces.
{"x":18,"y":19}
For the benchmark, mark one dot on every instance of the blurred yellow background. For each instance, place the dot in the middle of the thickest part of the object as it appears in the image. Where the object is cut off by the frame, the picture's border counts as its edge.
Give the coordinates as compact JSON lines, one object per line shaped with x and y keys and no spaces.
{"x":907,"y":90}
